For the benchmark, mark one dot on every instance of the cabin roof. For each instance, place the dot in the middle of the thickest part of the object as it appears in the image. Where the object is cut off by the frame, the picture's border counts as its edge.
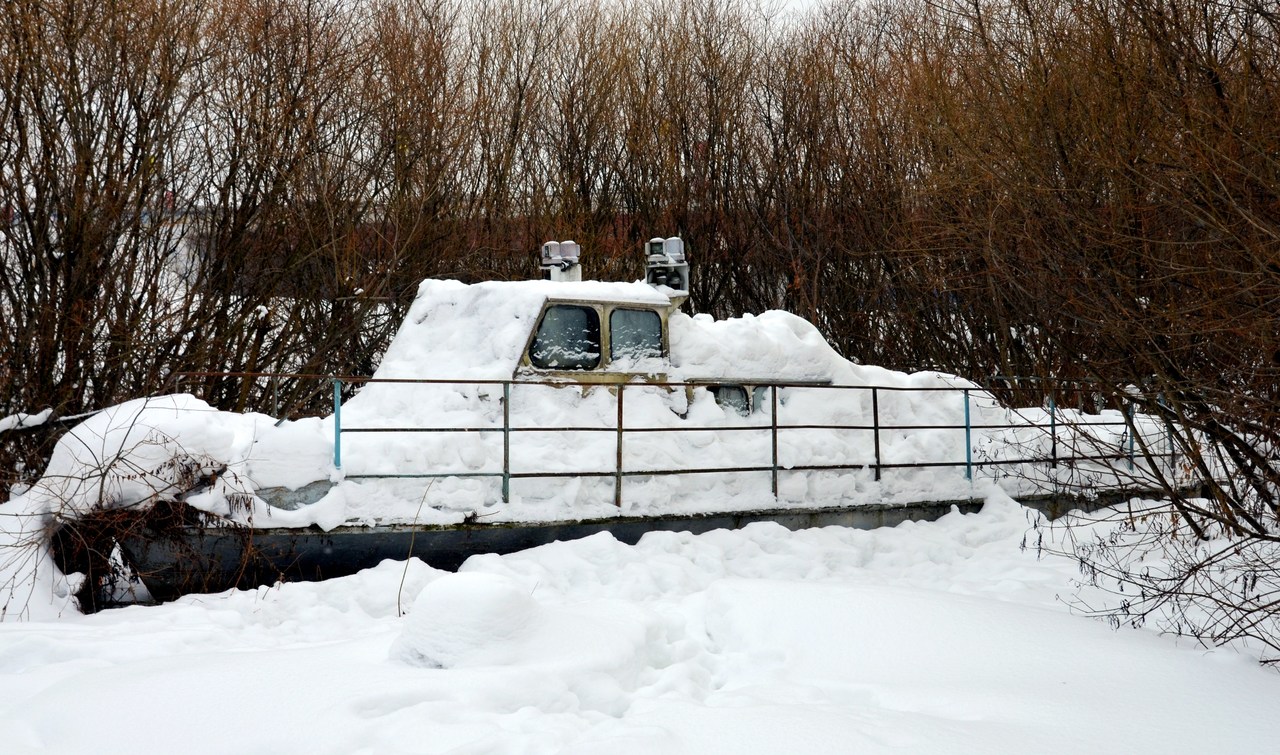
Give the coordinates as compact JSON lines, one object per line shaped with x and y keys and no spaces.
{"x":479,"y":331}
{"x":455,"y":331}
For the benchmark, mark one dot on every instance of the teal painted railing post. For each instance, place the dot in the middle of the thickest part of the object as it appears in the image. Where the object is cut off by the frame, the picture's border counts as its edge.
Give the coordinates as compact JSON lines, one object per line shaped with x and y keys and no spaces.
{"x":506,"y":442}
{"x":337,"y":424}
{"x":968,"y":440}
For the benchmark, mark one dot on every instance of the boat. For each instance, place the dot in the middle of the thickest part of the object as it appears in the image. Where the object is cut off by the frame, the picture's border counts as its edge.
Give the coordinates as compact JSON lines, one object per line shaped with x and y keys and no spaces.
{"x":509,"y":414}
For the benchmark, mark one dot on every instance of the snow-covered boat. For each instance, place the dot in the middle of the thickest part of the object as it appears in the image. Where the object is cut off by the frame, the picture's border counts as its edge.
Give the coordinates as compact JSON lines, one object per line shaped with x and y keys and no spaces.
{"x":506,"y":414}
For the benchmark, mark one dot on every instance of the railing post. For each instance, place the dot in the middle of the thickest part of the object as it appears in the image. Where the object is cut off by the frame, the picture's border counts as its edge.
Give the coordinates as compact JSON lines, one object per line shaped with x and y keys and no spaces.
{"x":275,"y":396}
{"x":617,"y":480}
{"x":968,"y":440}
{"x":1167,"y":410}
{"x":506,"y":442}
{"x":1132,"y":428}
{"x":337,"y":424}
{"x":1053,"y":429}
{"x":875,"y":425}
{"x":773,"y":432}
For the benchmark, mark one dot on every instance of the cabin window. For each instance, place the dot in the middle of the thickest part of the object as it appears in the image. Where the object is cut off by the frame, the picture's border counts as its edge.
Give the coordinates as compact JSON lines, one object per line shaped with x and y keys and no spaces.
{"x":635,"y":334}
{"x":732,"y":397}
{"x":568,"y":338}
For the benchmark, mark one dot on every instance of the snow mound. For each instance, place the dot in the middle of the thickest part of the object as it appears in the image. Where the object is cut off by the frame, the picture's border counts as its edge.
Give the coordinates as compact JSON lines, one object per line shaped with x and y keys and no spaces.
{"x":775,"y":345}
{"x":130,"y":454}
{"x":455,"y":618}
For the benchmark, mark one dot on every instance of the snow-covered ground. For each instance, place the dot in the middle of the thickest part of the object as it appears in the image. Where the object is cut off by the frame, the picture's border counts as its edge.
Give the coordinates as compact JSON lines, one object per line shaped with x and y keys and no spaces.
{"x":943,"y":637}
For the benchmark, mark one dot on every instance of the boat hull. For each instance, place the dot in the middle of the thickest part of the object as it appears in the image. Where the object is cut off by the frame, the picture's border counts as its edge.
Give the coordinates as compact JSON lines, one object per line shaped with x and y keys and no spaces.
{"x":175,"y":552}
{"x":212,"y":559}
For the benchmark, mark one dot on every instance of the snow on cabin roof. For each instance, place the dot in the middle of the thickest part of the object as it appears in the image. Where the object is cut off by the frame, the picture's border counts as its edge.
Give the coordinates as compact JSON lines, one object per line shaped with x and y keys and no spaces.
{"x":479,"y":331}
{"x":772,"y":346}
{"x":456,"y":331}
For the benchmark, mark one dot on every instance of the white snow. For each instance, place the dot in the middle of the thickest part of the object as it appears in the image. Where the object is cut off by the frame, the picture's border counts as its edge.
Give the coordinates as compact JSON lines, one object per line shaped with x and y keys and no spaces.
{"x":126,"y":455}
{"x":459,"y":619}
{"x":24,"y":420}
{"x":944,"y":637}
{"x":455,"y":331}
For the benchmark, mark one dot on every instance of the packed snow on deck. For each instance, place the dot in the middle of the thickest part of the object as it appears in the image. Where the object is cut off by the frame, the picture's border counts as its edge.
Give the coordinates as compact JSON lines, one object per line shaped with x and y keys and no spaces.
{"x":129,"y":453}
{"x":943,"y":637}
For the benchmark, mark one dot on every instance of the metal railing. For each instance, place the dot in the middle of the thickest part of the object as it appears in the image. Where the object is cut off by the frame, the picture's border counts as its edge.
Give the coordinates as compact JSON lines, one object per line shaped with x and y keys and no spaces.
{"x":1126,"y":451}
{"x":620,"y":431}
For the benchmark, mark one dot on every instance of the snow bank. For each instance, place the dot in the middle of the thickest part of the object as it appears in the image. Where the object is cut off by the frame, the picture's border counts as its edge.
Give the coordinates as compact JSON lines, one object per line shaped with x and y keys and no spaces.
{"x":31,"y":586}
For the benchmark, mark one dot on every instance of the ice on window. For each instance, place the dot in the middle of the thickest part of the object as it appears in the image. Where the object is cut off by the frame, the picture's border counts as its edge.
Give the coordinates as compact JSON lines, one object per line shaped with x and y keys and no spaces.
{"x":568,"y":338}
{"x":635,"y":334}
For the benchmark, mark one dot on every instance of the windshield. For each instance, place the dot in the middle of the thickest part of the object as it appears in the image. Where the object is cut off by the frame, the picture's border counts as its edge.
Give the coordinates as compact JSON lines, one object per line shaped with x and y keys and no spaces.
{"x":568,"y":338}
{"x":635,"y":334}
